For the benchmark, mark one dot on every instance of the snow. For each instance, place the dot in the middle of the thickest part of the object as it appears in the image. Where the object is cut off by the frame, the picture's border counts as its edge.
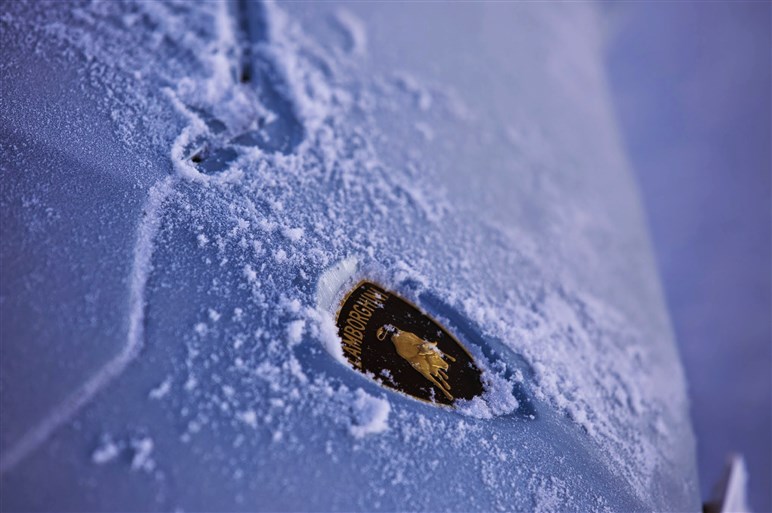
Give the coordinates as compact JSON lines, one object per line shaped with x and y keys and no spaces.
{"x":142,"y":454}
{"x":326,"y":331}
{"x":161,"y":390}
{"x":295,"y":331}
{"x":410,"y":84}
{"x":497,"y":400}
{"x":355,"y":30}
{"x":332,"y":281}
{"x":106,"y":452}
{"x":200,"y":328}
{"x":250,"y":273}
{"x":371,"y":414}
{"x":249,"y":417}
{"x":138,"y":449}
{"x":507,"y":236}
{"x":293,"y":234}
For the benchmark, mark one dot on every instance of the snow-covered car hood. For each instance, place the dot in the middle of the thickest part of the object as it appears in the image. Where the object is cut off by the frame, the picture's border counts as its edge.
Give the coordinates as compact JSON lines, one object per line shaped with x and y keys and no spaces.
{"x":188,"y":190}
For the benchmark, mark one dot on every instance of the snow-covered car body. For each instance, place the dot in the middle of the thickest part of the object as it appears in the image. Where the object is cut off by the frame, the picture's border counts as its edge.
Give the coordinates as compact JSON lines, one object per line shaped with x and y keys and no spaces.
{"x":189,"y":191}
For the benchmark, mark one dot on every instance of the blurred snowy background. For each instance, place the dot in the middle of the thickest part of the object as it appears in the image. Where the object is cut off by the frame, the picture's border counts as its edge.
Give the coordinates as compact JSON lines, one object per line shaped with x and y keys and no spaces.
{"x":692,"y":93}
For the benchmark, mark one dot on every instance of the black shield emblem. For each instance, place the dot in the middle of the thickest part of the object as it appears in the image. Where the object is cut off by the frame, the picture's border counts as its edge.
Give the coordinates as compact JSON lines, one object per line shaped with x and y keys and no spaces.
{"x":392,"y":341}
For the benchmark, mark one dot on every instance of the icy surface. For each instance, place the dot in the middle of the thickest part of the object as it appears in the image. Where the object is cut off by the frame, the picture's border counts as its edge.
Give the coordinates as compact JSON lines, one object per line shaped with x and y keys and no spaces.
{"x":271,"y":163}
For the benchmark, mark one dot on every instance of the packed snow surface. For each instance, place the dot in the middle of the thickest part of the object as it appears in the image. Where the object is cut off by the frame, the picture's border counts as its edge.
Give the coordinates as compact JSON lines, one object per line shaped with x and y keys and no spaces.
{"x":299,"y":154}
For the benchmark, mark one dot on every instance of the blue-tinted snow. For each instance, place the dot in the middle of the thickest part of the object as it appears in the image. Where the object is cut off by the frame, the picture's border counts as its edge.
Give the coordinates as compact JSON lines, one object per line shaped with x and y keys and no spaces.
{"x":179,"y":177}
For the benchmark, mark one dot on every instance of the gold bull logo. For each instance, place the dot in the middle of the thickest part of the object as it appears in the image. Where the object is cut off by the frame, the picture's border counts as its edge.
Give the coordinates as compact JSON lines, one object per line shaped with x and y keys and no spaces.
{"x":425,"y":357}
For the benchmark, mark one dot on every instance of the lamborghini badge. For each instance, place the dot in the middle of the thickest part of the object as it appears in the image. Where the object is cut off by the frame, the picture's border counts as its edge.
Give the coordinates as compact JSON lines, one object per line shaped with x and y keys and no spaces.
{"x":393,"y":342}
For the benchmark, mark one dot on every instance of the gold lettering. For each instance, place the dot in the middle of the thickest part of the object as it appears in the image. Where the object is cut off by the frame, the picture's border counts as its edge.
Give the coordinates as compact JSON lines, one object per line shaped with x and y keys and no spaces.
{"x":352,"y":334}
{"x":375,"y":296}
{"x":378,"y":295}
{"x":362,"y":310}
{"x":366,"y":302}
{"x":353,"y":351}
{"x":355,"y":322}
{"x":359,"y":315}
{"x":356,"y":353}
